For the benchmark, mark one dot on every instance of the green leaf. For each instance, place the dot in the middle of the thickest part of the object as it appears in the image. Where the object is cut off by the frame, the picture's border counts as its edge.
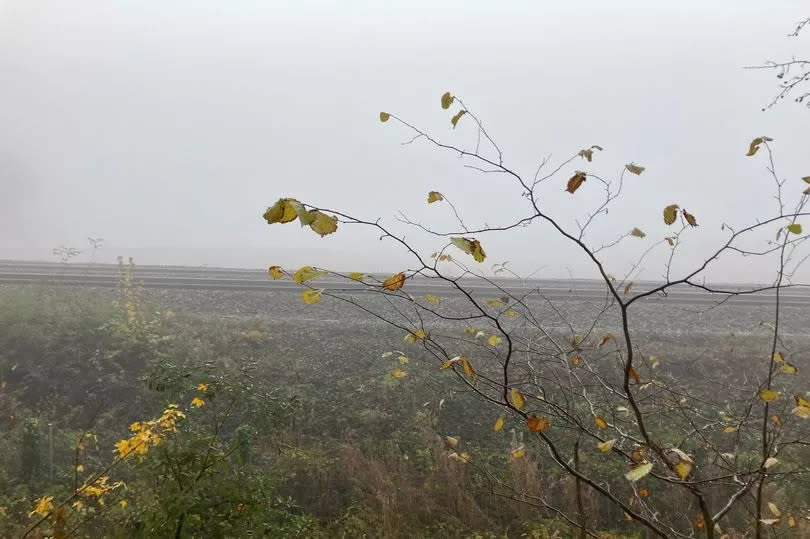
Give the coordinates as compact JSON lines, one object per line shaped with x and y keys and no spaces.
{"x":307,"y":273}
{"x":357,"y":276}
{"x":447,"y":100}
{"x":471,"y":247}
{"x":283,"y":211}
{"x":796,"y":228}
{"x":670,"y":213}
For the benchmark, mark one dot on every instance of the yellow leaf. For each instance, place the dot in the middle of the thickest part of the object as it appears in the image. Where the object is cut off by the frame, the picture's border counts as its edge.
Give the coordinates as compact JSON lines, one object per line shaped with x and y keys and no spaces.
{"x":770,"y":521}
{"x":670,"y":214}
{"x":42,"y":507}
{"x":606,"y":446}
{"x":683,"y":469}
{"x":637,"y":232}
{"x":80,"y":468}
{"x":643,"y":492}
{"x":774,"y":509}
{"x":700,"y":522}
{"x":468,"y":370}
{"x":494,"y":340}
{"x":434,"y":196}
{"x":469,"y":330}
{"x":450,"y":362}
{"x":323,"y":224}
{"x":395,"y":282}
{"x":776,"y":420}
{"x":494,"y":302}
{"x":635,"y":169}
{"x":607,"y":337}
{"x":399,"y":373}
{"x":471,"y":247}
{"x":575,"y":181}
{"x":778,"y":357}
{"x":791,"y":522}
{"x":451,"y":441}
{"x":518,"y":452}
{"x":454,"y":120}
{"x":768,"y":395}
{"x":639,"y":471}
{"x":536,"y":424}
{"x":311,"y":296}
{"x":384,"y":116}
{"x":600,"y":422}
{"x":689,"y":218}
{"x":197,"y":402}
{"x":518,"y":401}
{"x":432,"y":299}
{"x":511,"y":313}
{"x":447,"y":100}
{"x":801,"y":401}
{"x":787,"y":368}
{"x":770,"y":461}
{"x":752,"y":149}
{"x":123,"y":504}
{"x":576,"y":360}
{"x":795,"y":228}
{"x":499,"y":423}
{"x":730,"y":428}
{"x":627,"y":288}
{"x":281,"y":212}
{"x":357,"y":276}
{"x":403,"y":360}
{"x":307,"y":273}
{"x":806,"y":179}
{"x":275,"y":272}
{"x":202,"y":387}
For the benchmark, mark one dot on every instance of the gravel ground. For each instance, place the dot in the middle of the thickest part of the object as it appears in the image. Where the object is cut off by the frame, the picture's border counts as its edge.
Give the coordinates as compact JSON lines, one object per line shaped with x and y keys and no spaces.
{"x":650,"y":318}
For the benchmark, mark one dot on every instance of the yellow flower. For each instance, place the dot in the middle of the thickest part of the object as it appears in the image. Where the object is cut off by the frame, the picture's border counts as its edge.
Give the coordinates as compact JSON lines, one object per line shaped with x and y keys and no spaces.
{"x":43,"y":506}
{"x":197,"y":402}
{"x":202,"y":387}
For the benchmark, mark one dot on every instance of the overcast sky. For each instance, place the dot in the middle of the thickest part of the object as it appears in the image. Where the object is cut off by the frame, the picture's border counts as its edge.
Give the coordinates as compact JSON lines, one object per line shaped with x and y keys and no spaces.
{"x":168,"y":127}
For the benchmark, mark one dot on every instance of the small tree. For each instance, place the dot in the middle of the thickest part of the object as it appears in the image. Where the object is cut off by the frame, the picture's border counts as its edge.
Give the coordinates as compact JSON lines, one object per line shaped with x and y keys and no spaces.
{"x":674,"y":451}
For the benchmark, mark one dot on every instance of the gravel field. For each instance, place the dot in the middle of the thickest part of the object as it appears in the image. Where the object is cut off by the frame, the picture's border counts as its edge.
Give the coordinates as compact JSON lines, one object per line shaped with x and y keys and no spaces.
{"x":652,"y":318}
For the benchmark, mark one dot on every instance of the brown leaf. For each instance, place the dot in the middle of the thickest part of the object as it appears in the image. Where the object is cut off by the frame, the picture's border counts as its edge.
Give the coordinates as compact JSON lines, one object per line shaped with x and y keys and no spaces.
{"x":576,"y":181}
{"x":689,"y":218}
{"x":536,"y":424}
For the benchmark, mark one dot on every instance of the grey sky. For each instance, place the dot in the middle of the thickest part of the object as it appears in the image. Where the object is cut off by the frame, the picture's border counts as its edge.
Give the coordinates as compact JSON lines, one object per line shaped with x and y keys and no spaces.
{"x":168,"y":127}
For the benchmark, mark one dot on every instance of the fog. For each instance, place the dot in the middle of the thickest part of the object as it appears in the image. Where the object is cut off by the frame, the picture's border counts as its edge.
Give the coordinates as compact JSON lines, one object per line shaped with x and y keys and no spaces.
{"x":167,"y":128}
